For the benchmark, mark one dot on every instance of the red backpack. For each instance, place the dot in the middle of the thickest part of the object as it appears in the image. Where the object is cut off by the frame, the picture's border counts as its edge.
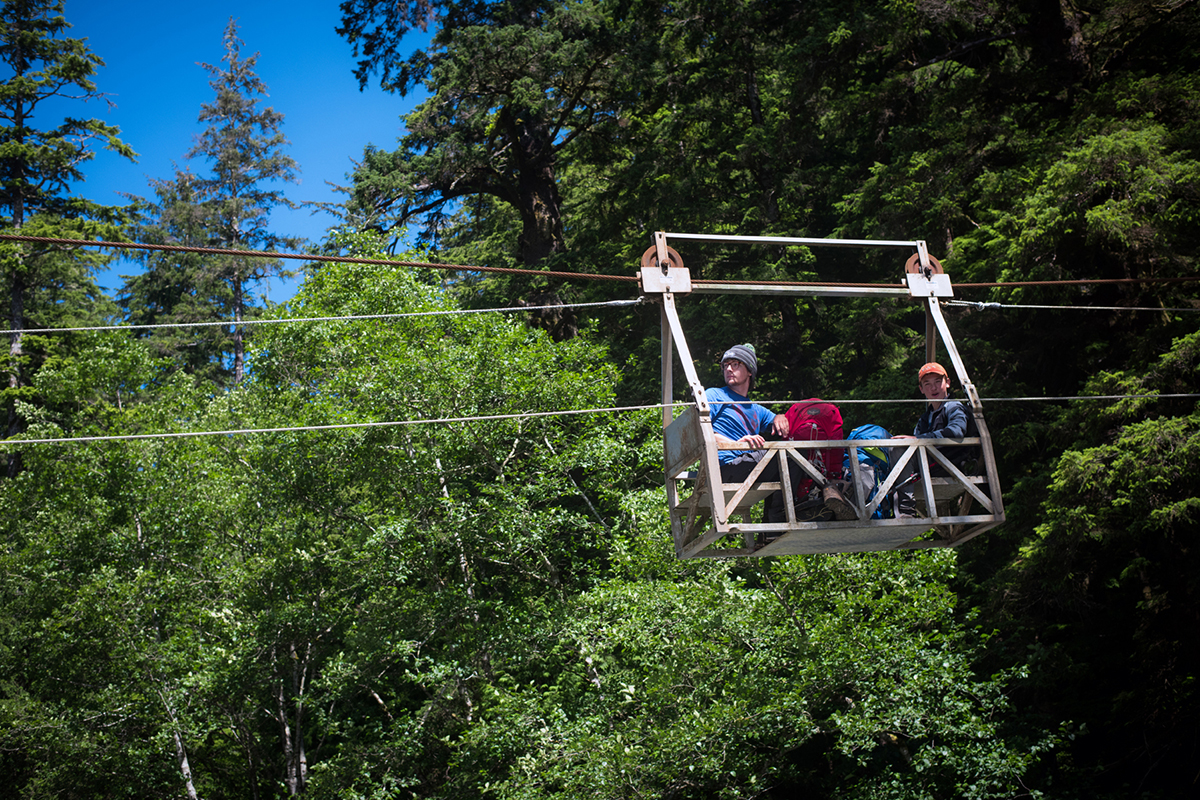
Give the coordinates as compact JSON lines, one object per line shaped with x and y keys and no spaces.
{"x":814,"y":420}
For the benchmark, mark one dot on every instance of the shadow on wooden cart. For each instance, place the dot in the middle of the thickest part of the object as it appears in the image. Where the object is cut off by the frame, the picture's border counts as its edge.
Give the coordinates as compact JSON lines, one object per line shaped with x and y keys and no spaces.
{"x":710,"y":518}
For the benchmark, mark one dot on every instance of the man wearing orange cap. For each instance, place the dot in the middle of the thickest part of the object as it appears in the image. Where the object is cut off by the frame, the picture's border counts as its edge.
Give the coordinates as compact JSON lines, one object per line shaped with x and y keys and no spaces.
{"x":943,"y":419}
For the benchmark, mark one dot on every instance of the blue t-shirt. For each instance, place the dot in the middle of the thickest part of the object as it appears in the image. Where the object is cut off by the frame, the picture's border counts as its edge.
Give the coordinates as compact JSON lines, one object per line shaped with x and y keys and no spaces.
{"x":735,"y":421}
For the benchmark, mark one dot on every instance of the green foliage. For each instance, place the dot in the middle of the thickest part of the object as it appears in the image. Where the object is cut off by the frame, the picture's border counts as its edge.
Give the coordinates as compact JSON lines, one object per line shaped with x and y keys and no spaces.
{"x":1122,"y":195}
{"x":271,"y":578}
{"x":1022,"y":142}
{"x":244,"y":145}
{"x":475,"y":593}
{"x":449,"y":606}
{"x":178,"y":288}
{"x":1105,"y":589}
{"x":719,"y":686}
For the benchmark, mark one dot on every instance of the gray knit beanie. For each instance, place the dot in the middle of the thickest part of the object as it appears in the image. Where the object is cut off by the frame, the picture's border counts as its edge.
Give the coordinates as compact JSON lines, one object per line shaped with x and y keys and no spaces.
{"x":745,"y":354}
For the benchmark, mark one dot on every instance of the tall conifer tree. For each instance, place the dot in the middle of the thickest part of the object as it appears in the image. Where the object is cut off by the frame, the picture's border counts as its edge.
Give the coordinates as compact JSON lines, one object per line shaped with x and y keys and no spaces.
{"x":244,"y":144}
{"x":228,"y":208}
{"x":37,"y":166}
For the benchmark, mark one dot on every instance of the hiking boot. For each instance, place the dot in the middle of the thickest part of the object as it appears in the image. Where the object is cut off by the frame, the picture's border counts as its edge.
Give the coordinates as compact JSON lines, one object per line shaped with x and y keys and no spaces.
{"x":906,"y":507}
{"x":813,"y":511}
{"x":837,"y":504}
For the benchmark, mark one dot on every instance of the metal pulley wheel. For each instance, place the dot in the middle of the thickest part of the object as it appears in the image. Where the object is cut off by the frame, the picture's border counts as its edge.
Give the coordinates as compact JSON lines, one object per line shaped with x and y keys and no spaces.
{"x":650,"y":259}
{"x":913,"y":265}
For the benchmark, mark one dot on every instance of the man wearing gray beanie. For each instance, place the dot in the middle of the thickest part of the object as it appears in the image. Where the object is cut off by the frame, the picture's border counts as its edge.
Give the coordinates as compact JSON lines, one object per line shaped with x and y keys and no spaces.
{"x":745,"y":354}
{"x":735,"y":420}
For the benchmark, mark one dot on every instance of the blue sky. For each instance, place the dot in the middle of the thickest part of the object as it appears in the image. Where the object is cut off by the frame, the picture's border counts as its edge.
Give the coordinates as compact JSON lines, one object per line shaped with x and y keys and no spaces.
{"x":151,"y":52}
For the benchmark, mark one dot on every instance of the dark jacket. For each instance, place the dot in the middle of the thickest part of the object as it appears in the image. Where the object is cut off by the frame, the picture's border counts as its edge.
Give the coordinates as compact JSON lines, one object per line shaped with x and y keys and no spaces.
{"x":952,"y":421}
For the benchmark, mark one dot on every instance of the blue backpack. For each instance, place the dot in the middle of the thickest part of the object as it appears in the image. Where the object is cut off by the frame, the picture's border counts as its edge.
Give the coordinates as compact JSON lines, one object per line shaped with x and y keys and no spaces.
{"x":874,"y":464}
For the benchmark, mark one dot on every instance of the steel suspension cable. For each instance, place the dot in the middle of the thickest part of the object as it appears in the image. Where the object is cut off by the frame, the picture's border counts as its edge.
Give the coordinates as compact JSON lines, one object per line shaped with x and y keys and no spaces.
{"x":222,"y":251}
{"x":536,"y":272}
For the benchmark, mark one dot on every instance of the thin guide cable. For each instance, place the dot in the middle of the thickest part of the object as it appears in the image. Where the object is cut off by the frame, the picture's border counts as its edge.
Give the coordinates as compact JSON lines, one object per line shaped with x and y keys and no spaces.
{"x":345,"y":318}
{"x":525,"y":415}
{"x":331,"y":427}
{"x":983,"y":306}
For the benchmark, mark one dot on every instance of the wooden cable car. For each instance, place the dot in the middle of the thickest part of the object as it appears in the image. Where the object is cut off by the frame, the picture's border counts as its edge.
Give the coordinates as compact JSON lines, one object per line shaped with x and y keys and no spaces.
{"x":710,"y":518}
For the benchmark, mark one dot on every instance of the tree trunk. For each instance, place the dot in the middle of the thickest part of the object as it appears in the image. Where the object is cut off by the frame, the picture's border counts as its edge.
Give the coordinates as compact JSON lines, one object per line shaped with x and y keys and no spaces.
{"x":181,"y":756}
{"x":1055,"y":32}
{"x":239,"y":344}
{"x":16,"y":319}
{"x":292,"y":727}
{"x":184,"y":766}
{"x":536,"y":191}
{"x":541,"y":215}
{"x":15,"y":351}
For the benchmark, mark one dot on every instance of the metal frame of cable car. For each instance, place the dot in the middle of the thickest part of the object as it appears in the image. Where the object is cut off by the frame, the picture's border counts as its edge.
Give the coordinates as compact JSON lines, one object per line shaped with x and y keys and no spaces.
{"x":703,"y":527}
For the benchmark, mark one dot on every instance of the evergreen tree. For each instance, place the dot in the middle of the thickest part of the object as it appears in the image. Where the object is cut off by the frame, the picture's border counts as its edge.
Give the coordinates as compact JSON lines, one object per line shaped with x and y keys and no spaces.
{"x":37,"y":166}
{"x":244,"y":145}
{"x":512,"y":84}
{"x":178,"y":288}
{"x":228,"y":208}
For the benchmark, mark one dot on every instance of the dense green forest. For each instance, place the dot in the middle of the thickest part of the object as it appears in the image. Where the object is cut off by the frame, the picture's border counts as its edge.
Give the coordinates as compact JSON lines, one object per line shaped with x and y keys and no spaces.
{"x":472,"y":594}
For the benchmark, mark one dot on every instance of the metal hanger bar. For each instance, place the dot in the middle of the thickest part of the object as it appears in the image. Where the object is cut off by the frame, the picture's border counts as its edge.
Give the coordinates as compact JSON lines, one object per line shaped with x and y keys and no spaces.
{"x":685,"y":356}
{"x":709,"y":237}
{"x":716,"y":287}
{"x":960,"y":368}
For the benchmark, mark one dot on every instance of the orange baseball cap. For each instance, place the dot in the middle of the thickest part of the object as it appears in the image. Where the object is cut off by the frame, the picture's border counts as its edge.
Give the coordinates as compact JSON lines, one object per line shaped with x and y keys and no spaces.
{"x":930,"y":368}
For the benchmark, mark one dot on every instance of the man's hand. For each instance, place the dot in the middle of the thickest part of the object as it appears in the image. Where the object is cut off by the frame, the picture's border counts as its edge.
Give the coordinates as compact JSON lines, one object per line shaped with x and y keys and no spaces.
{"x":757,"y":442}
{"x":780,"y":426}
